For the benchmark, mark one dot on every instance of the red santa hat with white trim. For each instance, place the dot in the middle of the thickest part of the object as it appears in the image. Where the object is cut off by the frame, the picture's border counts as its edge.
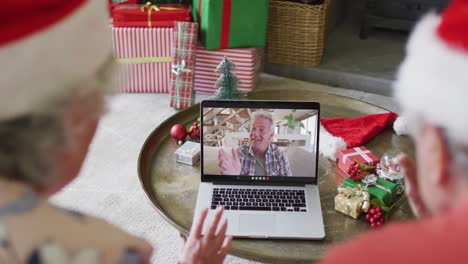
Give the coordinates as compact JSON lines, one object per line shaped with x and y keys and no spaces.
{"x":339,"y":133}
{"x":432,"y":81}
{"x":47,"y":47}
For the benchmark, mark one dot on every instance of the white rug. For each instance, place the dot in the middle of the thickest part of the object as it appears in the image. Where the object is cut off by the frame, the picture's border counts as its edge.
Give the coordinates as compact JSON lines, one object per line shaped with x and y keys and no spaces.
{"x":108,"y":184}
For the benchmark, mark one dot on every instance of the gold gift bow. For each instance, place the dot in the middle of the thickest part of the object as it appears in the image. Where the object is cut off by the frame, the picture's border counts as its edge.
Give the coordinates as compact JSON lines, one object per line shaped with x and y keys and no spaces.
{"x":144,"y":60}
{"x":150,"y":7}
{"x":349,"y":192}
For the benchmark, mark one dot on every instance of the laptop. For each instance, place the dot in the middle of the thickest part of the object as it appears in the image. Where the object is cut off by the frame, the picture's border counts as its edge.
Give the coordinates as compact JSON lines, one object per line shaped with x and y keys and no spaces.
{"x":259,"y":160}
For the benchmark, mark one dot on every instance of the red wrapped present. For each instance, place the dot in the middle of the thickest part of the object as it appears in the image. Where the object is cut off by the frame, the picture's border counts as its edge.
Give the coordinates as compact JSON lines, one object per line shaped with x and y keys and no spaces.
{"x":185,"y":43}
{"x":150,"y":15}
{"x":359,"y":155}
{"x":114,"y":4}
{"x":247,"y":69}
{"x":146,"y":57}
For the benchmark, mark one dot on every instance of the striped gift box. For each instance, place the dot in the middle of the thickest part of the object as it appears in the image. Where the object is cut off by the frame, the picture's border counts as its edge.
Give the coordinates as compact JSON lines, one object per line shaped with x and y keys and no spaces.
{"x":145,"y":55}
{"x":247,"y":63}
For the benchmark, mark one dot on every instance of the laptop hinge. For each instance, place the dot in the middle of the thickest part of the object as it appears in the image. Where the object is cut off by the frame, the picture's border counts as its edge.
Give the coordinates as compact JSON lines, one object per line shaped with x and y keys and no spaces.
{"x":294,"y":184}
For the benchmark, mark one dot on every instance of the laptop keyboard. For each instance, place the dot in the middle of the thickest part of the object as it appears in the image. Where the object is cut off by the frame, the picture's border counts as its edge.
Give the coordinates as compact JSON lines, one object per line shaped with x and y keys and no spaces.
{"x":259,"y":199}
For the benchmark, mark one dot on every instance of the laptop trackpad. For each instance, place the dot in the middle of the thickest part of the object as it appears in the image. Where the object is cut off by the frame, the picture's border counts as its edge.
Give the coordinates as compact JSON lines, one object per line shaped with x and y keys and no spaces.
{"x":257,"y":224}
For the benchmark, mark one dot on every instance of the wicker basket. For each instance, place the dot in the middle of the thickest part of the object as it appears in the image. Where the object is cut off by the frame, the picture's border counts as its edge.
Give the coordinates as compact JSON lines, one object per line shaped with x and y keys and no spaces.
{"x":296,"y":32}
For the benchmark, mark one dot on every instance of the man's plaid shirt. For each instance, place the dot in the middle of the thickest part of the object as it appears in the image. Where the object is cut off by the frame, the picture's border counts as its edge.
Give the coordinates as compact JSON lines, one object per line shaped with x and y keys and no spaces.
{"x":276,"y":161}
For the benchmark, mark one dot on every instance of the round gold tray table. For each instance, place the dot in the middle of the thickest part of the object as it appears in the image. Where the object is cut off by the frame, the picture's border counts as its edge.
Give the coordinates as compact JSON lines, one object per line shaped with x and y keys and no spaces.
{"x":172,"y":187}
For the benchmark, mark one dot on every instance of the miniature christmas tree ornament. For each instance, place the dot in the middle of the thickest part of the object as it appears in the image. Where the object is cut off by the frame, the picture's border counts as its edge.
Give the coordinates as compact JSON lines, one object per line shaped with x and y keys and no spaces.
{"x":227,"y":82}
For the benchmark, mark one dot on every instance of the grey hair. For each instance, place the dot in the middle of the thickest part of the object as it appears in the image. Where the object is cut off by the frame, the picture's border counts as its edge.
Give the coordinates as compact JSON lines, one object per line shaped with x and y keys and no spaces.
{"x":266,"y":115}
{"x":26,"y":142}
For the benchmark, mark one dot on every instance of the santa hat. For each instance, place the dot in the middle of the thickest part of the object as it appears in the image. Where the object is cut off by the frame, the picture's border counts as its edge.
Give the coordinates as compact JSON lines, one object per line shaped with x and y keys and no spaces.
{"x":340,"y":133}
{"x":47,"y":47}
{"x":432,"y":81}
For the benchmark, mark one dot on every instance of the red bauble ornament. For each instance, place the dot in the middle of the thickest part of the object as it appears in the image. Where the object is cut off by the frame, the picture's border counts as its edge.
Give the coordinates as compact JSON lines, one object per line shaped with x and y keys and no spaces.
{"x":178,"y":132}
{"x":194,"y":132}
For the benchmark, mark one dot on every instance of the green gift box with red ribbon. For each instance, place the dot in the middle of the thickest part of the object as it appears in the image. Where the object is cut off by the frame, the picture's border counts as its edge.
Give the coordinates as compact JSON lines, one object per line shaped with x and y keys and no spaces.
{"x":231,"y":23}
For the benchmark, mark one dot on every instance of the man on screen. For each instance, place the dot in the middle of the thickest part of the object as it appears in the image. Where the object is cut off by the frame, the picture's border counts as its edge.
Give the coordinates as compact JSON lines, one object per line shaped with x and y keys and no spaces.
{"x":260,"y":157}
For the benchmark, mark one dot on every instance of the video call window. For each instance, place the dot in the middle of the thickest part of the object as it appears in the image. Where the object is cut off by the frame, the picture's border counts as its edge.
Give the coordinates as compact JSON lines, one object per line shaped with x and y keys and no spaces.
{"x":259,"y":142}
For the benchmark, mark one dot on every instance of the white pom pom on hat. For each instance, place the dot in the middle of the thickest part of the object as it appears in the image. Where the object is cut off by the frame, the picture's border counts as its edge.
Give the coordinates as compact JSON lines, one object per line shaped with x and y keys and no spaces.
{"x":401,"y":126}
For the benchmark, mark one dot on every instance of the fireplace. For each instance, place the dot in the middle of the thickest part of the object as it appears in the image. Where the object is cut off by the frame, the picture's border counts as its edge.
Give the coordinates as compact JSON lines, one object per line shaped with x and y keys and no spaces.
{"x":396,"y":14}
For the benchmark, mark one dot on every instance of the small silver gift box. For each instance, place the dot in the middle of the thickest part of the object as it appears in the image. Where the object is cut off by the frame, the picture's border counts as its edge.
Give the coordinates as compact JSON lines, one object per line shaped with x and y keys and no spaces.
{"x":188,"y":153}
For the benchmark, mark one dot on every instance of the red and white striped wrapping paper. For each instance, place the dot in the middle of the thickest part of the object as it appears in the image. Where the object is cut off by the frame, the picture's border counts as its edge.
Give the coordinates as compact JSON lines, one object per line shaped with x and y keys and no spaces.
{"x":247,"y":63}
{"x":145,"y":55}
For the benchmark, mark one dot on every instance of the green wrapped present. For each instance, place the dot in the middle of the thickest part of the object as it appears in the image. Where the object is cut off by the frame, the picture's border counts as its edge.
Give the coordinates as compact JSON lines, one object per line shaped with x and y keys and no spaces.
{"x":380,"y":188}
{"x":231,"y":23}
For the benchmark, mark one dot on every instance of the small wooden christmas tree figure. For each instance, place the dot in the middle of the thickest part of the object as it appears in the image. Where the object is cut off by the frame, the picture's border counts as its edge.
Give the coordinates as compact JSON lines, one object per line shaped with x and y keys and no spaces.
{"x":227,"y":82}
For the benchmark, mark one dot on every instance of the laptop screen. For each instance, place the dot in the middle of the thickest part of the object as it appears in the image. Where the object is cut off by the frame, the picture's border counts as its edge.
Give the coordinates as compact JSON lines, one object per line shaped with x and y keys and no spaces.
{"x":259,"y":141}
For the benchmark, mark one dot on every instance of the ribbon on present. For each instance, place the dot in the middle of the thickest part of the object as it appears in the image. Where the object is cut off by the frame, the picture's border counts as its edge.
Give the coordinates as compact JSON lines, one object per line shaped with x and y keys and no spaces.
{"x":371,"y":180}
{"x":358,"y":152}
{"x":178,"y":70}
{"x":199,"y":10}
{"x":150,"y":7}
{"x":144,"y":60}
{"x":225,"y":22}
{"x":350,"y":193}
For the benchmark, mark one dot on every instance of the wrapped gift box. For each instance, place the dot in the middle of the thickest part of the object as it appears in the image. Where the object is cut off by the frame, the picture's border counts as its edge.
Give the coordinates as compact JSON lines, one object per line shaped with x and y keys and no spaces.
{"x":188,"y":153}
{"x":145,"y":55}
{"x":185,"y":46}
{"x":232,"y":24}
{"x":150,"y":15}
{"x":350,"y":201}
{"x":358,"y":154}
{"x":383,"y":190}
{"x":112,"y":4}
{"x":247,"y":63}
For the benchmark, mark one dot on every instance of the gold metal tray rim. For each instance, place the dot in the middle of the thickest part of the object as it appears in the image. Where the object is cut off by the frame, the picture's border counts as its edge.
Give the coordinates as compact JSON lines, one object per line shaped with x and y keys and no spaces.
{"x":156,"y":205}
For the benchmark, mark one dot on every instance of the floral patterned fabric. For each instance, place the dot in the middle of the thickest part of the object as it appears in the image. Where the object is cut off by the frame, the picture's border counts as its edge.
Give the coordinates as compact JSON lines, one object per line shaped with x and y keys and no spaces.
{"x":51,"y":252}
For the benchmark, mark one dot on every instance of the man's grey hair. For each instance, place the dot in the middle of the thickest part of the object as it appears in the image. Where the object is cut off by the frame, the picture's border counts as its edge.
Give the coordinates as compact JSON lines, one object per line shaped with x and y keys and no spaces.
{"x":266,"y":115}
{"x":27,"y":142}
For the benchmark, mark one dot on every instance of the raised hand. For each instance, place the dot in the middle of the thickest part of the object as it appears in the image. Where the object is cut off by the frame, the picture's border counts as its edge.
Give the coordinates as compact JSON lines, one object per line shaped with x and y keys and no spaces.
{"x":411,"y":186}
{"x":229,"y":165}
{"x":211,"y":248}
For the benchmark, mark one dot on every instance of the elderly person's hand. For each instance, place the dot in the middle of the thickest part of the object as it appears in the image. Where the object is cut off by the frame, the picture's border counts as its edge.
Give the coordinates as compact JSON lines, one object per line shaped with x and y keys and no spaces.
{"x":229,"y":165}
{"x":411,"y":186}
{"x":211,"y":248}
